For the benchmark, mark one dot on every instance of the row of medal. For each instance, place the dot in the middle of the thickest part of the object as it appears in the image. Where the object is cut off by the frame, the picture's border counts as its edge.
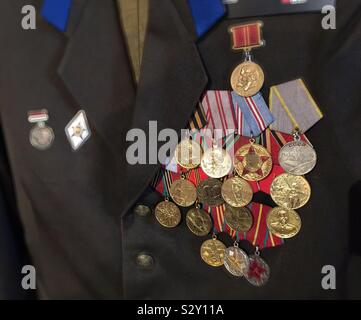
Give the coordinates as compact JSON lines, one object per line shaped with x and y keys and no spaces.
{"x":252,"y":162}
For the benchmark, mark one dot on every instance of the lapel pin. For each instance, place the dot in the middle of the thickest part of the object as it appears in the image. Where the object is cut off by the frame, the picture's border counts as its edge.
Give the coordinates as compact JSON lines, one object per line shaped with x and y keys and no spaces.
{"x":77,"y":130}
{"x":41,"y":136}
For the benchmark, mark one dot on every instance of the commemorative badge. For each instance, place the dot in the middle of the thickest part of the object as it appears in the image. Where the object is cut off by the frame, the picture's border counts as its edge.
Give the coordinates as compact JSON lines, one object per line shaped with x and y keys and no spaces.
{"x":284,"y":223}
{"x":247,"y":78}
{"x":209,"y":192}
{"x":198,"y":221}
{"x":297,"y":157}
{"x":213,"y":251}
{"x":183,"y":192}
{"x":237,"y":192}
{"x":188,"y":154}
{"x":167,"y":214}
{"x":216,"y":162}
{"x":258,"y":272}
{"x":41,"y":135}
{"x":252,"y":162}
{"x":78,"y":130}
{"x":290,"y":191}
{"x":236,"y":261}
{"x":238,"y":219}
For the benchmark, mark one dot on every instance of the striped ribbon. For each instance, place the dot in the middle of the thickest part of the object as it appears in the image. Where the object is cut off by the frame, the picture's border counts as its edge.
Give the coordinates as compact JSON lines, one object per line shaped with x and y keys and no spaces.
{"x":198,"y":119}
{"x":247,"y":36}
{"x":220,"y":112}
{"x":256,"y":112}
{"x":293,"y":107}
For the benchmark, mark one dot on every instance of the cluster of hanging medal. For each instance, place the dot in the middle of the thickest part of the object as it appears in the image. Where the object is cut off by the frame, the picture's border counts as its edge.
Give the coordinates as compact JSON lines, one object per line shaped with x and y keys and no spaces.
{"x":217,"y":178}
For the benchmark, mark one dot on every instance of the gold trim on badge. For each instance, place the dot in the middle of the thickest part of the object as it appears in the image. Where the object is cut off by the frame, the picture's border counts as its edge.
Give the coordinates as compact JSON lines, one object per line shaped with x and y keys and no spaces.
{"x":167,"y":214}
{"x":188,"y":154}
{"x":183,"y":192}
{"x":247,"y":79}
{"x":252,"y":162}
{"x":209,"y":192}
{"x":290,"y":191}
{"x":212,"y":252}
{"x":216,"y":162}
{"x":238,"y":219}
{"x":198,"y":222}
{"x":284,"y":223}
{"x":237,"y":192}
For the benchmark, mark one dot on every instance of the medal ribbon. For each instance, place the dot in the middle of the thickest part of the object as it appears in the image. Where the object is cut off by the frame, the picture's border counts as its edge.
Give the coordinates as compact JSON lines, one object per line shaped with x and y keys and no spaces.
{"x":293,"y":107}
{"x":220,"y":111}
{"x":247,"y":36}
{"x":56,"y":12}
{"x":205,"y":14}
{"x":255,"y":111}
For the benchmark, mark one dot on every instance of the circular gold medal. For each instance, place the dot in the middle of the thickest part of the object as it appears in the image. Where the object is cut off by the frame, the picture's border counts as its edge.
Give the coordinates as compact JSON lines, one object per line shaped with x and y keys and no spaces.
{"x":183,"y":192}
{"x":212,"y":252}
{"x":209,"y":192}
{"x":236,"y":261}
{"x":289,"y":191}
{"x":238,"y":219}
{"x":237,"y":192}
{"x":253,"y":162}
{"x":167,"y":214}
{"x":216,"y":162}
{"x":188,"y":154}
{"x":247,"y":79}
{"x":199,"y":222}
{"x":284,"y":223}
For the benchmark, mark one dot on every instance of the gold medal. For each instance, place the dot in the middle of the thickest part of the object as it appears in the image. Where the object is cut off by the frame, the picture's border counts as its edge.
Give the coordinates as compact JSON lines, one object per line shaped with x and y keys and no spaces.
{"x":247,"y":79}
{"x":238,"y":219}
{"x":252,"y":162}
{"x":237,"y":192}
{"x":289,"y":191}
{"x":209,"y":192}
{"x":199,"y":222}
{"x":188,"y":154}
{"x":167,"y":214}
{"x":216,"y":162}
{"x":183,"y":192}
{"x":212,"y":252}
{"x":284,"y":223}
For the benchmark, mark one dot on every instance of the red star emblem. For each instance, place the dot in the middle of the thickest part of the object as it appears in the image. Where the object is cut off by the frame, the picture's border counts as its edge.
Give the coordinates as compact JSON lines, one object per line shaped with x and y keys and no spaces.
{"x":252,"y":151}
{"x":256,"y":270}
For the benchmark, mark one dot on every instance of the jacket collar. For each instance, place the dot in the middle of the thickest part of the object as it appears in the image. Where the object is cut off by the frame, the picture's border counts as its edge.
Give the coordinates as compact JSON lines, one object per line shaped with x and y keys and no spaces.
{"x":171,"y":82}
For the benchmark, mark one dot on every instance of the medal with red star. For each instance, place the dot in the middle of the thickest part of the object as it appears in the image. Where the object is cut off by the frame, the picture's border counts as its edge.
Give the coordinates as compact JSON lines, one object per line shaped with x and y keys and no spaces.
{"x":253,"y":162}
{"x":258,"y":272}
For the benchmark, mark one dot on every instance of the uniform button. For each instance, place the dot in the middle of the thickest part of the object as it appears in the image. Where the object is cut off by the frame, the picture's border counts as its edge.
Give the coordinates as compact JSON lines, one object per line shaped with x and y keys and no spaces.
{"x":142,"y":210}
{"x":144,"y":260}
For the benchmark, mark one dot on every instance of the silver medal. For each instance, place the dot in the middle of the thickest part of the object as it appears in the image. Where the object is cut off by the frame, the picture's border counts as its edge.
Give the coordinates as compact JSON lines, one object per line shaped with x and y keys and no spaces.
{"x":297,"y":157}
{"x":258,"y":271}
{"x":41,"y":136}
{"x":236,"y":261}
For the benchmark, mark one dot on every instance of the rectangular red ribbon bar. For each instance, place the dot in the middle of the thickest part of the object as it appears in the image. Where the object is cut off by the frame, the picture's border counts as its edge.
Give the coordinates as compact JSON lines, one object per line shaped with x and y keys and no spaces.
{"x":38,"y":116}
{"x":247,"y":36}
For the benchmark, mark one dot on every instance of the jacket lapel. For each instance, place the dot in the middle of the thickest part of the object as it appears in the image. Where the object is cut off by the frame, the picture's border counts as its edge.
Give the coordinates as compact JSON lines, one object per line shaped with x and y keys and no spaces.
{"x":95,"y":70}
{"x":171,"y":82}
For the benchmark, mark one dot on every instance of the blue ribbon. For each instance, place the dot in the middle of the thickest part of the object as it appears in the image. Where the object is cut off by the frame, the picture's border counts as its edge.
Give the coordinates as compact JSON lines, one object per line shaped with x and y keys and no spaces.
{"x":56,"y":12}
{"x":206,"y":13}
{"x":263,"y":112}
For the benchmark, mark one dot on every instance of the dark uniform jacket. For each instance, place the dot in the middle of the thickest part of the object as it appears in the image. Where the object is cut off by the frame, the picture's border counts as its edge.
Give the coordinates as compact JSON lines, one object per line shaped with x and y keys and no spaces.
{"x":80,"y":220}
